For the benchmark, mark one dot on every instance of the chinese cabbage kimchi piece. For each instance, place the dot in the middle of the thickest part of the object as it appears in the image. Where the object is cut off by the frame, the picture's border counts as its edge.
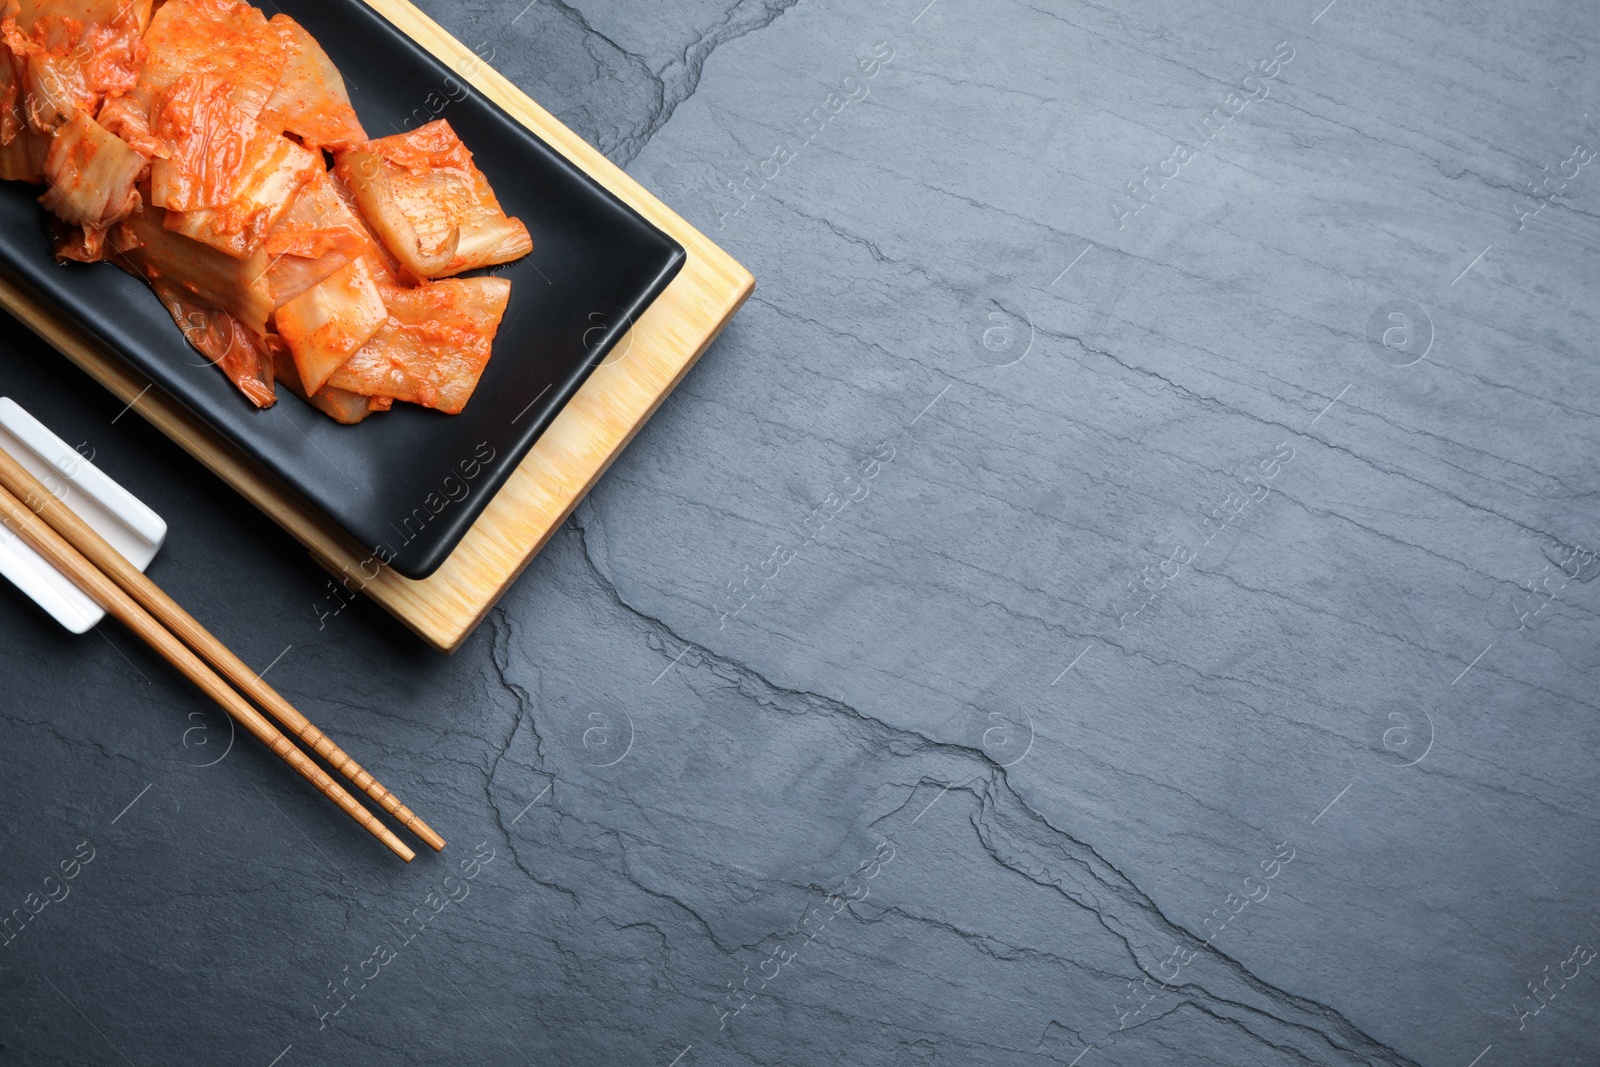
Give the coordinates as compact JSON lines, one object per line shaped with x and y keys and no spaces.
{"x":225,"y":341}
{"x":23,"y":159}
{"x":144,"y":246}
{"x":226,"y":42}
{"x":91,"y":175}
{"x":325,"y":325}
{"x":319,"y":234}
{"x":385,"y":268}
{"x":231,"y":43}
{"x":223,"y":178}
{"x":310,"y":100}
{"x":434,"y":346}
{"x":58,"y":60}
{"x":72,"y":55}
{"x":23,"y":149}
{"x":430,"y":204}
{"x":13,"y":118}
{"x":338,"y":404}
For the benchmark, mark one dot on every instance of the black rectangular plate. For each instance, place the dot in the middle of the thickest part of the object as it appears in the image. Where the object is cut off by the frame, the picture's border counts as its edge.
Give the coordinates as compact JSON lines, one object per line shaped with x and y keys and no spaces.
{"x":407,"y":483}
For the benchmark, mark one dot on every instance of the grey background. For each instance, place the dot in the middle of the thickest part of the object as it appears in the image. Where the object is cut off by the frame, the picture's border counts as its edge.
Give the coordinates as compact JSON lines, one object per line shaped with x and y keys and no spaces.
{"x":1353,"y":668}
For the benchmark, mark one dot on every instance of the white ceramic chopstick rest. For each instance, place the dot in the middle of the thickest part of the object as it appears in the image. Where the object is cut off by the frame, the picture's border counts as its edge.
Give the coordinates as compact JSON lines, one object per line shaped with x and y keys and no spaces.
{"x":110,"y":510}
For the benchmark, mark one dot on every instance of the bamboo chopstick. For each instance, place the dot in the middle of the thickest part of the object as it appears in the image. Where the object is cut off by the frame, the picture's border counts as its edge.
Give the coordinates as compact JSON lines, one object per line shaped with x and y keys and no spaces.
{"x":16,"y":516}
{"x":25,"y":487}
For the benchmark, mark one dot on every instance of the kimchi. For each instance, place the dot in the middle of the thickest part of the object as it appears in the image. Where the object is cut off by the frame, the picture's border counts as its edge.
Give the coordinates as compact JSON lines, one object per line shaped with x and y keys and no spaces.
{"x":215,"y":153}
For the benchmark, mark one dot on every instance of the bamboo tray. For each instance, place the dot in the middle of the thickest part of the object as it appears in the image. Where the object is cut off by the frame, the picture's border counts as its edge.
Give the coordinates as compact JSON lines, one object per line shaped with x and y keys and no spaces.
{"x":582,"y":442}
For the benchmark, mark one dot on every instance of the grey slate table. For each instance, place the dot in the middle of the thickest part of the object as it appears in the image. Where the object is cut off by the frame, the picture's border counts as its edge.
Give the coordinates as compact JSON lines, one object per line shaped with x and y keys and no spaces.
{"x":1120,"y":593}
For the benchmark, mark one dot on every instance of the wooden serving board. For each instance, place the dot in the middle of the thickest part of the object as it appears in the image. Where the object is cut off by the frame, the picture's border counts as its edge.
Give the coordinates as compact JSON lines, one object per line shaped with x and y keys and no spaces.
{"x":577,"y":448}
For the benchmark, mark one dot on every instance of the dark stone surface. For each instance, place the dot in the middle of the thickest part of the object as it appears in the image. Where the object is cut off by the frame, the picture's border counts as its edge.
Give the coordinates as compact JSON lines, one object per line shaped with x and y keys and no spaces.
{"x":673,"y":785}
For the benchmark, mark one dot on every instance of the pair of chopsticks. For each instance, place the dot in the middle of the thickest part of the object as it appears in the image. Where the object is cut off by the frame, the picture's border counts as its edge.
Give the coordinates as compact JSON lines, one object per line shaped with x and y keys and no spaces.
{"x":105,"y":575}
